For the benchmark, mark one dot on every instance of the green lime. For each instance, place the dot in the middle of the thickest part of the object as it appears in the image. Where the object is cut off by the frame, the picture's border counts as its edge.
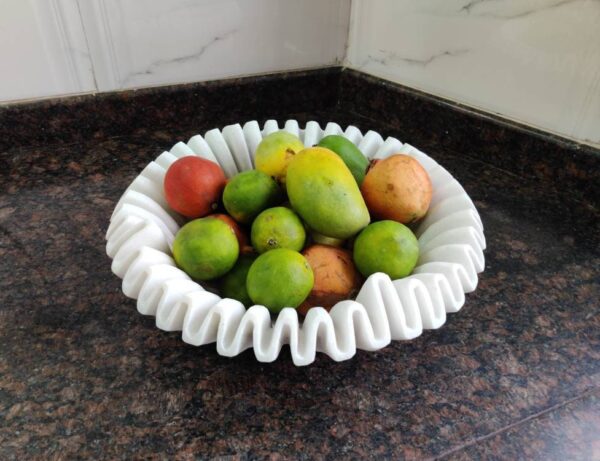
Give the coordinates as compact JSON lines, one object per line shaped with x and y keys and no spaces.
{"x":386,"y":246}
{"x":205,"y":248}
{"x":277,"y":227}
{"x":248,"y":193}
{"x":233,"y":284}
{"x":279,"y":278}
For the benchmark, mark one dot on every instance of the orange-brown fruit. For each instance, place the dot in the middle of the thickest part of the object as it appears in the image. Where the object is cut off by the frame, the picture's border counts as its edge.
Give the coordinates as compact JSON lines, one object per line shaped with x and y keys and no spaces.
{"x":397,"y":188}
{"x":336,"y":277}
{"x":241,"y":236}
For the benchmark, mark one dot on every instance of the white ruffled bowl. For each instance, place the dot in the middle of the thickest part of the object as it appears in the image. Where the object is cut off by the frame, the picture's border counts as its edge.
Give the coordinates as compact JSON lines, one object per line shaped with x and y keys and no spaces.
{"x":142,"y":229}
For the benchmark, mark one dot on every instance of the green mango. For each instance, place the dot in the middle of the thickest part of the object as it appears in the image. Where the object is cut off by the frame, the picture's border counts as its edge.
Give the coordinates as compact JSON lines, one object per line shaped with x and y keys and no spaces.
{"x":324,"y":193}
{"x":324,"y":240}
{"x":354,"y":159}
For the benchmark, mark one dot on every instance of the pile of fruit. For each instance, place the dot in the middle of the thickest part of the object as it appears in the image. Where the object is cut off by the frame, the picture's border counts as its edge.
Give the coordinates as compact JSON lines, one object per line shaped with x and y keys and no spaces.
{"x":297,"y":231}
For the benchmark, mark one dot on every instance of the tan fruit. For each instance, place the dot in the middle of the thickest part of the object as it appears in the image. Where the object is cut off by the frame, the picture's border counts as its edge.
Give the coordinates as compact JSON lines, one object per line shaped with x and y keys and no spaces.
{"x":336,"y":277}
{"x":397,"y":188}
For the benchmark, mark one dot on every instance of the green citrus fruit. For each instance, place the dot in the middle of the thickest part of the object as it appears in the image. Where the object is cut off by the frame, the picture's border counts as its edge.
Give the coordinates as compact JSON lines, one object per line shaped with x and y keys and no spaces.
{"x":248,"y":193}
{"x":388,"y":247}
{"x":277,"y":227}
{"x":205,"y":248}
{"x":274,"y":153}
{"x":279,"y":278}
{"x":233,"y":284}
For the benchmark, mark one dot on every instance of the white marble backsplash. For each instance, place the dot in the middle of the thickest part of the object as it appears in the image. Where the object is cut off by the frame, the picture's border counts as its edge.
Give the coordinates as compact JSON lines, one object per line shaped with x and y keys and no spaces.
{"x":146,"y":43}
{"x":534,"y":61}
{"x":43,"y":51}
{"x":57,"y":47}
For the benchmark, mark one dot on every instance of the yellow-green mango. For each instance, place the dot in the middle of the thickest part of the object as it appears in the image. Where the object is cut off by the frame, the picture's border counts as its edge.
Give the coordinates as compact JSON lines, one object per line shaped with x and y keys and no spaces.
{"x":324,"y":193}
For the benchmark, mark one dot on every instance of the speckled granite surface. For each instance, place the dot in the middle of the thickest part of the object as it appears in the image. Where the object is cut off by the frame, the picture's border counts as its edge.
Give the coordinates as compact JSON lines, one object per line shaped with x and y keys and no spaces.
{"x":514,"y":375}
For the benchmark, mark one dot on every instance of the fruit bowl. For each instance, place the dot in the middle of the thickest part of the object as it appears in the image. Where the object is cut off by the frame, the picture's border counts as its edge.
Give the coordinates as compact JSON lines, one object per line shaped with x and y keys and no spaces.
{"x":142,"y":228}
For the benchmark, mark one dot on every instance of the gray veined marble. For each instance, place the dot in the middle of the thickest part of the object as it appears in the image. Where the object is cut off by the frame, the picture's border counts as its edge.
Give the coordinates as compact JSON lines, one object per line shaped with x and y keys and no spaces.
{"x":534,"y":61}
{"x":158,"y":65}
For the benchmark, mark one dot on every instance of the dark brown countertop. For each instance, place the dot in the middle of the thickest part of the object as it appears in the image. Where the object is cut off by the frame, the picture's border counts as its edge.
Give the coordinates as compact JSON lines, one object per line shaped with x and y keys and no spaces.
{"x":514,"y":375}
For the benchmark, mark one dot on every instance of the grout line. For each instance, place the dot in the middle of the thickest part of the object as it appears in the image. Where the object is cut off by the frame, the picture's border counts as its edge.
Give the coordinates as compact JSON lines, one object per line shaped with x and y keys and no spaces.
{"x":60,"y":23}
{"x":87,"y":45}
{"x":477,"y":440}
{"x":117,"y":77}
{"x":350,"y":31}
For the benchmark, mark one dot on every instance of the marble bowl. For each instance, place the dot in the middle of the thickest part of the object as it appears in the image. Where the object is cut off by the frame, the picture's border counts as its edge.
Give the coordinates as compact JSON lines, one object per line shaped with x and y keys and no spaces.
{"x":142,"y":228}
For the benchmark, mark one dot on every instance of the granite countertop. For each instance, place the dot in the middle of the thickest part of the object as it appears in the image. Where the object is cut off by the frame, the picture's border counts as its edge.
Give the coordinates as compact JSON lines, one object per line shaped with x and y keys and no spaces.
{"x":514,"y":375}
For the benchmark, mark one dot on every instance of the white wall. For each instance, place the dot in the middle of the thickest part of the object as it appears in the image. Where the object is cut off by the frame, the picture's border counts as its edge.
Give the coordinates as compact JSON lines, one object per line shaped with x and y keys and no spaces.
{"x":535,"y":61}
{"x":42,"y":50}
{"x":58,"y":47}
